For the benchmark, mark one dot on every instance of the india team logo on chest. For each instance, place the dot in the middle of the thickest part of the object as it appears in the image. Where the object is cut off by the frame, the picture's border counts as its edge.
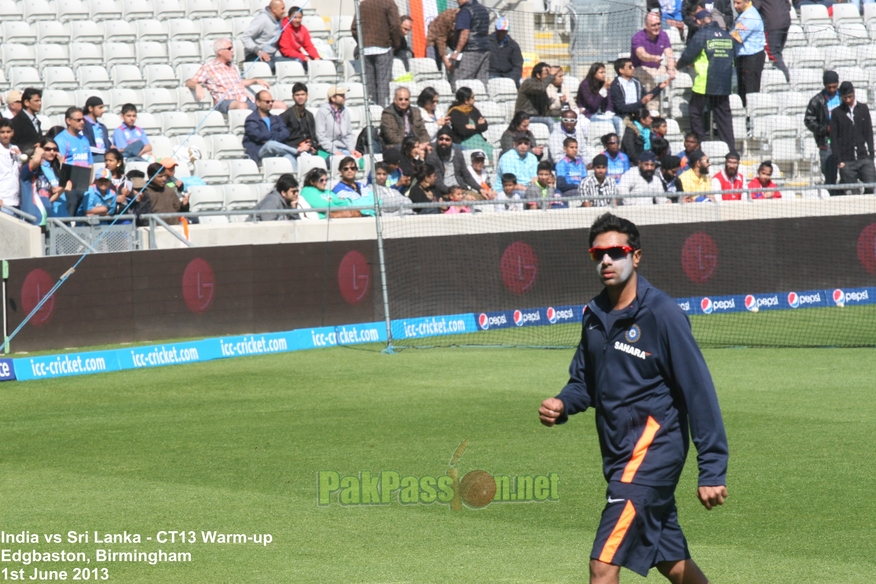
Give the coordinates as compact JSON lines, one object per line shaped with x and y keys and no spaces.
{"x":634,"y":334}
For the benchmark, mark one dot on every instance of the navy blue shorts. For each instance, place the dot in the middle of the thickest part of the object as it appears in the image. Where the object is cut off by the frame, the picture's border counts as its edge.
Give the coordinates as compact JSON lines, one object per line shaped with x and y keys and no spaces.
{"x":639,"y":528}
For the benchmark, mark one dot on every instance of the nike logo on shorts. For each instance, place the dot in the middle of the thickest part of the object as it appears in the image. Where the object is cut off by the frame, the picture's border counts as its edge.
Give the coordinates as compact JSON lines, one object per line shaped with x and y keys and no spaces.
{"x":610,"y":500}
{"x":592,"y":326}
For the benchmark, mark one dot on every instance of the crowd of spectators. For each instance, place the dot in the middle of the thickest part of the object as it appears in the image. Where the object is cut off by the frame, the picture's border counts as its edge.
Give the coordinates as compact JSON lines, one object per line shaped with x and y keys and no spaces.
{"x":429,"y":154}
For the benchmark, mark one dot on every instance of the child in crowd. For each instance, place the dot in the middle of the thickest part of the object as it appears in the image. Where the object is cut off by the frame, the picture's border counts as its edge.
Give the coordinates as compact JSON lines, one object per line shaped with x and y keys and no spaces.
{"x":390,"y":199}
{"x":456,"y":195}
{"x":477,"y":170}
{"x":511,"y":189}
{"x":541,"y":194}
{"x":599,"y":185}
{"x":571,"y":169}
{"x":115,"y":164}
{"x":618,"y":162}
{"x":130,"y":138}
{"x":764,"y":180}
{"x":100,"y":199}
{"x":659,"y":127}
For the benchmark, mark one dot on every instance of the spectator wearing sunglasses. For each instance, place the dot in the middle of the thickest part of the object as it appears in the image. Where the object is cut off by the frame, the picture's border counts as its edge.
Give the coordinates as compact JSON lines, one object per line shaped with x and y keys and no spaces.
{"x":265,"y":134}
{"x":400,"y":120}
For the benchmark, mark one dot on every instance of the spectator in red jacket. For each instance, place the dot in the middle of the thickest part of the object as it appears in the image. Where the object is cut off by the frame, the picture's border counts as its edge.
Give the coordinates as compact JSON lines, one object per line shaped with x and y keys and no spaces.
{"x":295,"y":41}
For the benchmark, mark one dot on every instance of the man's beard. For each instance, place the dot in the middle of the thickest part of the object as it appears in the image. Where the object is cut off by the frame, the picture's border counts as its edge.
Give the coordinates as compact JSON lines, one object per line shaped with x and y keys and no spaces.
{"x":443,"y":151}
{"x":647,"y":174}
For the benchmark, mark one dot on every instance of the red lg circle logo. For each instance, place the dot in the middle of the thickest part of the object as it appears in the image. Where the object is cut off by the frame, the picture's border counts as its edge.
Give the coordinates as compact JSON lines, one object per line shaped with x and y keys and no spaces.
{"x":198,"y":285}
{"x":867,"y":248}
{"x":354,"y":277}
{"x":35,"y":287}
{"x":519,"y":267}
{"x":699,"y":257}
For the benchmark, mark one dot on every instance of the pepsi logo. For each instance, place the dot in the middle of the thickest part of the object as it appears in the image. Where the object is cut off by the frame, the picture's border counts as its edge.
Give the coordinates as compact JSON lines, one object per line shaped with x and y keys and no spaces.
{"x":551,"y":315}
{"x":483,"y":321}
{"x":750,"y":302}
{"x":706,"y":305}
{"x":793,"y":300}
{"x":838,"y":296}
{"x":518,"y":318}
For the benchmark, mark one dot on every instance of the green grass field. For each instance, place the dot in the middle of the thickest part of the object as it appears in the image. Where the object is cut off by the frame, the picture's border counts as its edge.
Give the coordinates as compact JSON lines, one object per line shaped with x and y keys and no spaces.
{"x":236,"y":445}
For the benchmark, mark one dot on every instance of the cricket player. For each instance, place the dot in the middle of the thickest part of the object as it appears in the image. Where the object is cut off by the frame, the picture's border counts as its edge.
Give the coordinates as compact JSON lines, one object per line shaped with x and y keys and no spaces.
{"x":639,"y":366}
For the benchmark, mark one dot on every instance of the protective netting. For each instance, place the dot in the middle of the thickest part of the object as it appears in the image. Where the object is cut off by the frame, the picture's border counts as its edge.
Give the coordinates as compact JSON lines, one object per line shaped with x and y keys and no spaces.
{"x":795,"y":272}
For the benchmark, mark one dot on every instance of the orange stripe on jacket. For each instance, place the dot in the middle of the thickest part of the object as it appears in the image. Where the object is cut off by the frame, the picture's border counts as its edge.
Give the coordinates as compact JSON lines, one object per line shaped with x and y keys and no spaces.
{"x":617,"y":534}
{"x":640,"y":450}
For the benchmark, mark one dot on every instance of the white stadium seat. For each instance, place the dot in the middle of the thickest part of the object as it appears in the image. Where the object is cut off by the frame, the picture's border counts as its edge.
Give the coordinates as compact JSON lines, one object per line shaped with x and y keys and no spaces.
{"x":501,"y":90}
{"x":105,"y":10}
{"x":69,"y":10}
{"x":86,"y":31}
{"x":19,"y":32}
{"x":94,"y":77}
{"x":205,"y":198}
{"x":183,"y":29}
{"x":234,"y":8}
{"x":25,"y":77}
{"x":51,"y":56}
{"x":160,"y":99}
{"x":10,"y":10}
{"x":215,"y":28}
{"x":36,"y":10}
{"x":161,"y":76}
{"x":316,"y":26}
{"x":119,"y":97}
{"x":212,"y":172}
{"x":244,"y":170}
{"x":127,"y":76}
{"x":162,"y":148}
{"x":17,"y":55}
{"x":167,"y":9}
{"x":82,"y":96}
{"x":425,"y":69}
{"x":119,"y":31}
{"x":322,"y":72}
{"x":57,"y":102}
{"x":188,"y":103}
{"x":149,"y":53}
{"x":196,"y":9}
{"x":236,"y":119}
{"x":176,"y":123}
{"x":181,"y":52}
{"x":152,"y":30}
{"x":276,"y":167}
{"x":49,"y":31}
{"x":209,"y":122}
{"x":138,"y":9}
{"x":150,"y":122}
{"x":62,"y":78}
{"x":290,"y":72}
{"x":225,"y":146}
{"x":120,"y":54}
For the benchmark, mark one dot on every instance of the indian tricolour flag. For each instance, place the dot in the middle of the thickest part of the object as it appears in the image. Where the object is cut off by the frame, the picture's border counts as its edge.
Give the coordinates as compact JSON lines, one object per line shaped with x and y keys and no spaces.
{"x":423,"y":12}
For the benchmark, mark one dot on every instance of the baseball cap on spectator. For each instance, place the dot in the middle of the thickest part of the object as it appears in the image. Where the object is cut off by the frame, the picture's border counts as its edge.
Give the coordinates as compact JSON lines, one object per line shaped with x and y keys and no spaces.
{"x":647,"y":156}
{"x":830,"y":77}
{"x":335,"y":90}
{"x":138,"y":183}
{"x":102,"y":174}
{"x":695,"y":157}
{"x":703,"y":14}
{"x":168,"y":162}
{"x":846,"y":88}
{"x":392,"y":156}
{"x":600,"y":160}
{"x":502,"y":23}
{"x":13,"y":96}
{"x":670,"y":162}
{"x":478,"y":155}
{"x":521,"y":137}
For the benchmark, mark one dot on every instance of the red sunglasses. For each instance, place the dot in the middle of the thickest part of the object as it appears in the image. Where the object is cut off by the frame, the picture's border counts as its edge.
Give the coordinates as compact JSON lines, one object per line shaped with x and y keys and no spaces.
{"x":615,"y":252}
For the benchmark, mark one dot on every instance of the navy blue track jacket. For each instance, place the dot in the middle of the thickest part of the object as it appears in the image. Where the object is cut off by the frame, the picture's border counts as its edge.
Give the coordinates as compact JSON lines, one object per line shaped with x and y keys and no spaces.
{"x":650,"y":386}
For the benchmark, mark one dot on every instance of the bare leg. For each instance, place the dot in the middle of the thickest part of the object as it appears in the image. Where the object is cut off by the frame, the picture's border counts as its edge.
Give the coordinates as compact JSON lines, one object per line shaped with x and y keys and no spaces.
{"x":602,"y":573}
{"x":681,"y":572}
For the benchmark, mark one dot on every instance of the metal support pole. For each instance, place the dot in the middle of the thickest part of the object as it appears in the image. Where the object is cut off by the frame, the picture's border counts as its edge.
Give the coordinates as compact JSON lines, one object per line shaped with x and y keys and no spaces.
{"x":380,"y":255}
{"x":5,"y":330}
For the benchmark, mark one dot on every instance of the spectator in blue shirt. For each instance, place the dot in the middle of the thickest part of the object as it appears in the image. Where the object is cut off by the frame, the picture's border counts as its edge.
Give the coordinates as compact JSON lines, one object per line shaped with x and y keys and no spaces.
{"x":74,"y":150}
{"x":519,"y":162}
{"x":129,"y":137}
{"x":264,"y":134}
{"x":100,"y":199}
{"x":750,"y":54}
{"x":618,"y":162}
{"x":571,"y":169}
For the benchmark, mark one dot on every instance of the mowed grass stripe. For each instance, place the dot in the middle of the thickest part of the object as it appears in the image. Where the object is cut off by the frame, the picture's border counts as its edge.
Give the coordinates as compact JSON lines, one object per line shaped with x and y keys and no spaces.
{"x":236,"y":446}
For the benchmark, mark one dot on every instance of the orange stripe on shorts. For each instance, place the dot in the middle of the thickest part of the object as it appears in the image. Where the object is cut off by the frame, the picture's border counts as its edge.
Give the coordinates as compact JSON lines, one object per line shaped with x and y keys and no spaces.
{"x":617,"y":534}
{"x":640,"y":450}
